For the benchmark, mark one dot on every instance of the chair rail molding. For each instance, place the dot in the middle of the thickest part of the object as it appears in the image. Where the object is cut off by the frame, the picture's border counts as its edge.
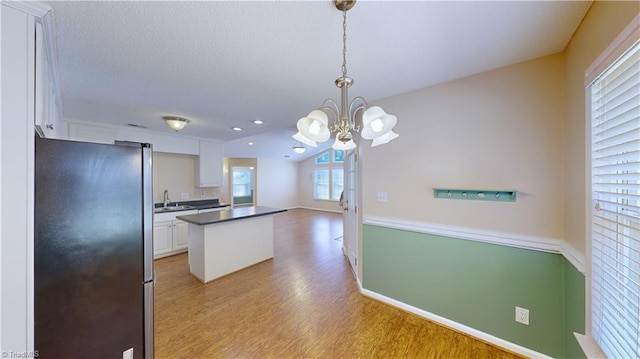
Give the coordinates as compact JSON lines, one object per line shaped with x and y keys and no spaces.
{"x":543,"y":244}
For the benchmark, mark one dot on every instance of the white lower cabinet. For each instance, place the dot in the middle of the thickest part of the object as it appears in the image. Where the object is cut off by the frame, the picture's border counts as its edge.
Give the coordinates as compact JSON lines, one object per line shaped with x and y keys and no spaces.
{"x":162,"y":239}
{"x":170,"y":235}
{"x":180,"y":235}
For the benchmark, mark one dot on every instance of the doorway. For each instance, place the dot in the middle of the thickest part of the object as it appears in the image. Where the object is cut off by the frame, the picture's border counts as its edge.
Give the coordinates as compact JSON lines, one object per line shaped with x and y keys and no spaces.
{"x":242,"y":186}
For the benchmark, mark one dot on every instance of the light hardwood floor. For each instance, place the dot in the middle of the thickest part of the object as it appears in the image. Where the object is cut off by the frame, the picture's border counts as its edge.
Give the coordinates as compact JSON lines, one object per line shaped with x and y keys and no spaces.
{"x":302,"y":304}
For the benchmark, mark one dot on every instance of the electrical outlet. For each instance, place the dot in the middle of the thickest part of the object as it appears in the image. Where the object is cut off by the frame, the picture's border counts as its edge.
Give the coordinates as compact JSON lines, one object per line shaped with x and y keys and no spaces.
{"x":382,"y":197}
{"x":203,"y":194}
{"x":522,"y":315}
{"x":127,"y":354}
{"x":185,"y":195}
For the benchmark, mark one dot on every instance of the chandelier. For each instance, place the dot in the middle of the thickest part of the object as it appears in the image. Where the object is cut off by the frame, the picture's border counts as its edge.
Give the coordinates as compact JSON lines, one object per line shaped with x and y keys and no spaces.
{"x":377,"y":125}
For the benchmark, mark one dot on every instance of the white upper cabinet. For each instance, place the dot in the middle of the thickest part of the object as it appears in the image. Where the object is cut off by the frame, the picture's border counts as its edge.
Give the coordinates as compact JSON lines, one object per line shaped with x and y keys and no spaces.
{"x":210,"y":164}
{"x":47,"y":99}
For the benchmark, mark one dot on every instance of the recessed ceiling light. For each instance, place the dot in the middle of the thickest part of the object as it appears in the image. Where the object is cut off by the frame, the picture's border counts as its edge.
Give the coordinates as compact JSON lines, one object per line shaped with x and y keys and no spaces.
{"x":250,"y":143}
{"x":258,"y":122}
{"x":236,"y":128}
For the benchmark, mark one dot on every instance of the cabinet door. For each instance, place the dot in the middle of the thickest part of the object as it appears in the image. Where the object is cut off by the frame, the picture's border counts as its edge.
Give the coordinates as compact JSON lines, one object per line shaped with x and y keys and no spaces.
{"x":210,"y":164}
{"x":162,"y":239}
{"x":180,"y":235}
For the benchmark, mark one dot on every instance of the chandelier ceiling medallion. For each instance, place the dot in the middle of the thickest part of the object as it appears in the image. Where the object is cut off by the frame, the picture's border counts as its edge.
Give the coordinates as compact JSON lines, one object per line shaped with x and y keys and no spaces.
{"x":377,"y":125}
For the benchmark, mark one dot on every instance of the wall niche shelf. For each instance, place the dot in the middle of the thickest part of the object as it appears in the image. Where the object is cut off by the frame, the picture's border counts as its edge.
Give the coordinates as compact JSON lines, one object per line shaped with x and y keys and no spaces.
{"x":475,"y":194}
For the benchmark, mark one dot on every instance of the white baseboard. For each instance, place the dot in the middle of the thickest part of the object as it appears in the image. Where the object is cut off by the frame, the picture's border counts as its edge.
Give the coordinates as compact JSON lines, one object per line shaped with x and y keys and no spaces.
{"x":318,"y":209}
{"x":515,"y":348}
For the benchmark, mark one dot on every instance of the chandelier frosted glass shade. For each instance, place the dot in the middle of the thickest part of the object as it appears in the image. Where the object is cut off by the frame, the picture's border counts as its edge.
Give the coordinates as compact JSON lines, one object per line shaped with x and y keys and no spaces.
{"x":377,"y":123}
{"x":313,"y":129}
{"x":345,"y":146}
{"x":381,"y":140}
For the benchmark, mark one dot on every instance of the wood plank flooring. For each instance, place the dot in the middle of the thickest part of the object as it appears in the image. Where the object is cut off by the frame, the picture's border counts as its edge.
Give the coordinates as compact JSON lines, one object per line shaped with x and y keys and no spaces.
{"x":302,"y":304}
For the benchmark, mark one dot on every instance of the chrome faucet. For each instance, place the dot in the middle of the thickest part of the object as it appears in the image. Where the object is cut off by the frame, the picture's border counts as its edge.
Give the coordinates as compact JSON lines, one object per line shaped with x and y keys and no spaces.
{"x":166,"y":197}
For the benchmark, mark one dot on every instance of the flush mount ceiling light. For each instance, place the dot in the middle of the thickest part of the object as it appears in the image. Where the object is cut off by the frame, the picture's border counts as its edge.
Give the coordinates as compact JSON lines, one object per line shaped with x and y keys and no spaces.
{"x":176,"y":123}
{"x":377,"y":125}
{"x":298,"y":147}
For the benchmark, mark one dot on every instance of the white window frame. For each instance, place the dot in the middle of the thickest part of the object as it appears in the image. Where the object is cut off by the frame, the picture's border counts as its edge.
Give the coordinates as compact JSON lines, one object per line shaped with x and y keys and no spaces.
{"x":617,"y":48}
{"x":331,"y":166}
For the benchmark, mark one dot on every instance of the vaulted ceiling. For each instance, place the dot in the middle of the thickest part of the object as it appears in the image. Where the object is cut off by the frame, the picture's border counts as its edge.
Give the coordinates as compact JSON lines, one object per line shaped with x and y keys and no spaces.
{"x":226,"y":63}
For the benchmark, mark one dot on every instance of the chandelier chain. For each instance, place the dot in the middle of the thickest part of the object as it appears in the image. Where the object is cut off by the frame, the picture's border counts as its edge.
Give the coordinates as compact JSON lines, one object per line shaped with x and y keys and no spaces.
{"x":344,"y":40}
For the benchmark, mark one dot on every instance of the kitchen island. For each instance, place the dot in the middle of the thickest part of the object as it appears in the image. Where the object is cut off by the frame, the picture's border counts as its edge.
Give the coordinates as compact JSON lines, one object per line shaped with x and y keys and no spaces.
{"x":223,"y":242}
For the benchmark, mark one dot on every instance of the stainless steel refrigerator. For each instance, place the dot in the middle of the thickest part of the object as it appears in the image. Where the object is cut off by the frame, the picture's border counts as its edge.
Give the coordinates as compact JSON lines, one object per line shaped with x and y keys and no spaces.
{"x":93,"y":292}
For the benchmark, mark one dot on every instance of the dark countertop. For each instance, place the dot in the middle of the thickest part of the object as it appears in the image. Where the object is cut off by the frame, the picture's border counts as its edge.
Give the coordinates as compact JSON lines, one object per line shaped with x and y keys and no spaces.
{"x":229,"y":215}
{"x":189,"y":205}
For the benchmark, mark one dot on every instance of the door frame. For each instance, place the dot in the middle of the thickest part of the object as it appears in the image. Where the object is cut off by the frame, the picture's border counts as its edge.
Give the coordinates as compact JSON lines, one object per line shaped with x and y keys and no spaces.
{"x":253,"y":183}
{"x":353,"y":233}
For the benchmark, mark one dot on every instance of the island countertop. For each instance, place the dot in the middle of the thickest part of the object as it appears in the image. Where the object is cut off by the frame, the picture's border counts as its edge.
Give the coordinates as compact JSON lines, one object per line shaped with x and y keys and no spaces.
{"x":229,"y":215}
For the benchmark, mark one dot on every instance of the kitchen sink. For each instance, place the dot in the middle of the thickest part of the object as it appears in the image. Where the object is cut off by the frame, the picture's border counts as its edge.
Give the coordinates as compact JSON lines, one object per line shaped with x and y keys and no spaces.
{"x":173,"y":208}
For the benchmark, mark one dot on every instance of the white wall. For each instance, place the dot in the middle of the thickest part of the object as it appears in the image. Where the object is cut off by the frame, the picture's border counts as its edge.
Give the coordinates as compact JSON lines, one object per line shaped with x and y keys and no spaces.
{"x":277,"y":183}
{"x":501,"y":129}
{"x":305,"y":187}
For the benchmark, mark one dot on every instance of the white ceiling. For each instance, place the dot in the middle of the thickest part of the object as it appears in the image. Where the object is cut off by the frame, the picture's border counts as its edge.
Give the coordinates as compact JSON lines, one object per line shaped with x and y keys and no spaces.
{"x":226,"y":63}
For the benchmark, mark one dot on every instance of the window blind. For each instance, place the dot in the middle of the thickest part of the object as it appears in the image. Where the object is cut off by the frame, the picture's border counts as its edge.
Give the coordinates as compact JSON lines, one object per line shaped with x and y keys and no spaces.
{"x":615,"y":247}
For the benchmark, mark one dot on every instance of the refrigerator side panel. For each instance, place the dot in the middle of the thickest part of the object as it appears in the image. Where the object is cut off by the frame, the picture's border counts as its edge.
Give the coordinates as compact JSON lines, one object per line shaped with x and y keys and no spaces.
{"x":89,"y":301}
{"x":149,"y":274}
{"x":148,"y":323}
{"x":147,"y":182}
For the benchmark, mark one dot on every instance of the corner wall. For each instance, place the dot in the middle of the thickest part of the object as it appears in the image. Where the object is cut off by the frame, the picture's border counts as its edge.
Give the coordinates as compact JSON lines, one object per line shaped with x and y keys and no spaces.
{"x":177,"y":174}
{"x":277,"y":183}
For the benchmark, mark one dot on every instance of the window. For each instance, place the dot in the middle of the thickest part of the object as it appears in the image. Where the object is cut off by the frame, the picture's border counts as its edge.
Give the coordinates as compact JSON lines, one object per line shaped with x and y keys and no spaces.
{"x":615,"y":223}
{"x":328,"y":178}
{"x":241,"y":182}
{"x":321,"y":184}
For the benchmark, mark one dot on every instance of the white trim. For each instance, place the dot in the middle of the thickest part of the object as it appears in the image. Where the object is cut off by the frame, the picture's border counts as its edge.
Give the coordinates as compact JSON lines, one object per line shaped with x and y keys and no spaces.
{"x":455,"y":326}
{"x":618,"y":46}
{"x":51,"y":48}
{"x":573,"y":256}
{"x":318,"y":209}
{"x":34,"y":8}
{"x":472,"y":234}
{"x":30,"y":189}
{"x":589,"y":346}
{"x":542,"y":244}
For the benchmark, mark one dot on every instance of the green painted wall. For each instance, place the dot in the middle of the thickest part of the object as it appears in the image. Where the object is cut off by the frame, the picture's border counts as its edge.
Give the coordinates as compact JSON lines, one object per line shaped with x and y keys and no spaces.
{"x":574,"y":310}
{"x":478,"y":285}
